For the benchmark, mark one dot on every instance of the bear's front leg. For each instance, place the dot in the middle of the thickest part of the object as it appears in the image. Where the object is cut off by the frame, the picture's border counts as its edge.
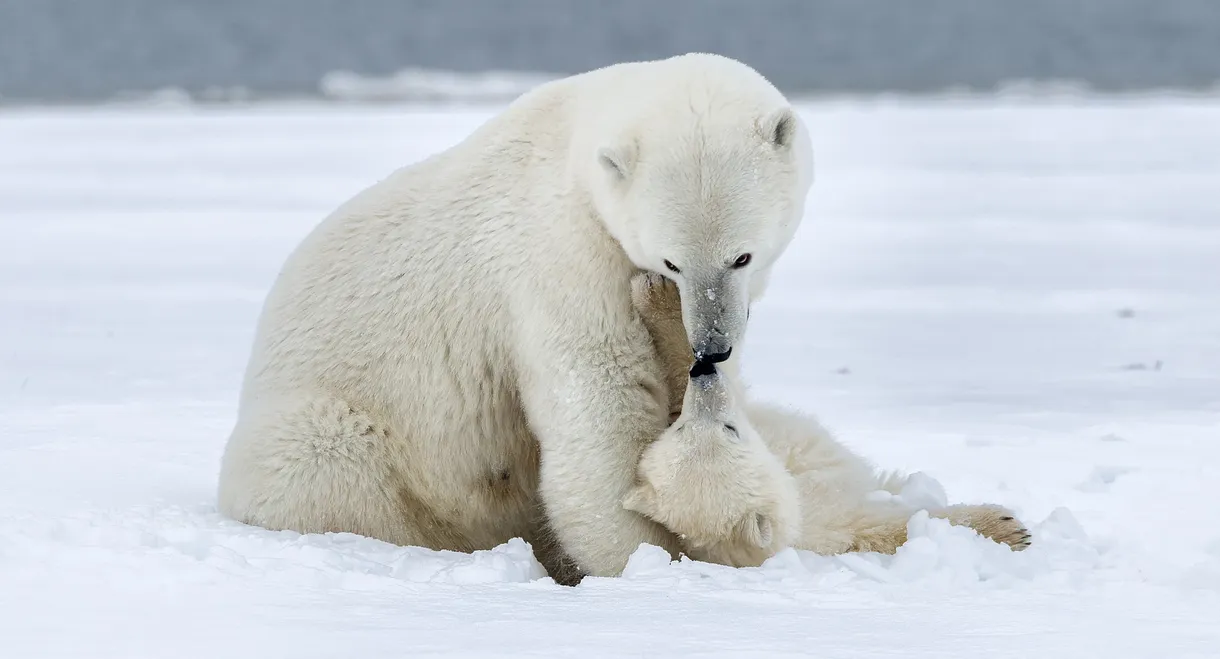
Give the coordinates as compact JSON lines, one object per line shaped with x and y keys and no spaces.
{"x":593,"y":403}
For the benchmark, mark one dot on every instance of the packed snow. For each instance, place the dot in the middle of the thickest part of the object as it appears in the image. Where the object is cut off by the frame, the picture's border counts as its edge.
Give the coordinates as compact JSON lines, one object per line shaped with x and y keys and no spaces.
{"x":1019,"y":300}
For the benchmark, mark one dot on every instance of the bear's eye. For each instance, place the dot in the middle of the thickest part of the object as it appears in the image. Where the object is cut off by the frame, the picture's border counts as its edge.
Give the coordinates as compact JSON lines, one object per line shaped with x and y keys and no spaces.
{"x":672,"y":267}
{"x":732,"y":429}
{"x":742,"y":261}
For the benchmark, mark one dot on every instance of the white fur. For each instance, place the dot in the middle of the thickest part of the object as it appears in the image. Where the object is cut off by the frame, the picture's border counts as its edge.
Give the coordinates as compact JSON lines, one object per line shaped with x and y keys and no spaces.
{"x":451,"y":359}
{"x":834,"y":487}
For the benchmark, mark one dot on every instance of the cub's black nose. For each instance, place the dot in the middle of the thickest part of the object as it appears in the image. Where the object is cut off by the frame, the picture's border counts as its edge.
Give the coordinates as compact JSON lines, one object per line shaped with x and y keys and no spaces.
{"x":702,"y":369}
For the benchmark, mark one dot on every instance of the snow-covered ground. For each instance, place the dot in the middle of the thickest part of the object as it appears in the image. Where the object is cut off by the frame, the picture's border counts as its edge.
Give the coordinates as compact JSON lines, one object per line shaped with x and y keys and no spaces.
{"x":1020,"y":299}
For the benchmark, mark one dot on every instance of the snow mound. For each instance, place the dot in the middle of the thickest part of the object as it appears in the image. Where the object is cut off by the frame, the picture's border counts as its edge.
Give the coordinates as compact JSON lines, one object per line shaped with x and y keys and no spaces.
{"x":201,"y":540}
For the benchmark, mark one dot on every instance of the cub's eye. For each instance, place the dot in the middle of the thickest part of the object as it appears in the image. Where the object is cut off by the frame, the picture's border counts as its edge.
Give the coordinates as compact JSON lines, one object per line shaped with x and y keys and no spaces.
{"x":742,"y":261}
{"x":732,"y":429}
{"x":672,"y":267}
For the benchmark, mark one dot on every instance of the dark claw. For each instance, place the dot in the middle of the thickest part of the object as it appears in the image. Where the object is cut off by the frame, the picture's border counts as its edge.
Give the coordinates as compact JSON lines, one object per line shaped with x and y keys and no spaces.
{"x":1005,"y":519}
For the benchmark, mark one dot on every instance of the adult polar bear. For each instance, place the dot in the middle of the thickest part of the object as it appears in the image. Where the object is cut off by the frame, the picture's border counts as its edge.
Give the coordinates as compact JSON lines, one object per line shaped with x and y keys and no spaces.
{"x":452,"y":359}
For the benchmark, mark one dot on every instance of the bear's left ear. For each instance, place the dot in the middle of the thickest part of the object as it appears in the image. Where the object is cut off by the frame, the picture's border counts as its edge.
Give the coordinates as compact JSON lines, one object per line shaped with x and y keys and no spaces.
{"x":779,"y":127}
{"x":641,"y":499}
{"x":617,"y":160}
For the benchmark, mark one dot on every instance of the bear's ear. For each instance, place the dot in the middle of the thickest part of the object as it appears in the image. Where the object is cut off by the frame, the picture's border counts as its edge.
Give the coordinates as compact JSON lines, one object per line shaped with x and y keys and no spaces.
{"x":779,"y":128}
{"x":618,"y":161}
{"x":756,"y":530}
{"x":641,"y":499}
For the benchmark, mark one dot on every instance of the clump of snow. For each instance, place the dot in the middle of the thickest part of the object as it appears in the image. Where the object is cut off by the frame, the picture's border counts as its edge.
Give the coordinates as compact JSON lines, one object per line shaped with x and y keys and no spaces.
{"x":511,"y":562}
{"x":920,"y":491}
{"x":646,"y":560}
{"x":955,"y":556}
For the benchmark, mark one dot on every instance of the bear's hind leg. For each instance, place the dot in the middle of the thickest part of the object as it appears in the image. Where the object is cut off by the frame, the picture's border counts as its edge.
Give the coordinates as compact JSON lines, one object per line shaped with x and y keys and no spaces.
{"x":990,"y":521}
{"x":316,"y":465}
{"x":882,"y":527}
{"x":834,"y":526}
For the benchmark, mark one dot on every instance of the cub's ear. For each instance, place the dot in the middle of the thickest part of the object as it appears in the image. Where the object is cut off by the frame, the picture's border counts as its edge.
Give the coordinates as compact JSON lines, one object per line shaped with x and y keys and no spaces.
{"x":756,"y":529}
{"x":779,"y":127}
{"x":641,"y":499}
{"x":619,"y":161}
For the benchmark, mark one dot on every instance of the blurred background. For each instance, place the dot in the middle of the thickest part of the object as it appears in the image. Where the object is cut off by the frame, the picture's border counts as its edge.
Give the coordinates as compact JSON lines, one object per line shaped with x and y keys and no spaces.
{"x":77,"y":51}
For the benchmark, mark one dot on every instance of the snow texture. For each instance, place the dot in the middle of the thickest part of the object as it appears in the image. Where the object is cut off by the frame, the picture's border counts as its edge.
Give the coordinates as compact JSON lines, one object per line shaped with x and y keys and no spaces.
{"x":967,"y":300}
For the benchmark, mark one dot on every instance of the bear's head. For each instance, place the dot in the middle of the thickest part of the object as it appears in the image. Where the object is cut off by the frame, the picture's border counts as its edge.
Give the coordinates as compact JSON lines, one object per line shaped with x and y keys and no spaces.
{"x":704,"y":181}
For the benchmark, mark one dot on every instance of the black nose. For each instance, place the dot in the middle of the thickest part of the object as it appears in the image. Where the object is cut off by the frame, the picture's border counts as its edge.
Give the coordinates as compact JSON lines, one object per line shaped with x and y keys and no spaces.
{"x":713,"y":346}
{"x":714,"y":357}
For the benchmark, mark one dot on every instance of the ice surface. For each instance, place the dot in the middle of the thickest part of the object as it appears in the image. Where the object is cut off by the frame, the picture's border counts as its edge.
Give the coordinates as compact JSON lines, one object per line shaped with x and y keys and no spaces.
{"x":970,"y":287}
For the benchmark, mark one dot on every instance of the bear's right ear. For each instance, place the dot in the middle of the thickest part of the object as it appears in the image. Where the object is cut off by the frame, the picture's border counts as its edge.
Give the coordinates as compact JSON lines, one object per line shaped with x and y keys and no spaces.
{"x":756,"y":530}
{"x":618,"y":161}
{"x":779,"y":128}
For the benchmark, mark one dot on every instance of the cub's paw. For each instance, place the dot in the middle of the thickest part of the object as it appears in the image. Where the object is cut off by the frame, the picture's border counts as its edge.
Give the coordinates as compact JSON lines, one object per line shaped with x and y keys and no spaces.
{"x":991,"y":521}
{"x":659,"y":305}
{"x":655,"y":296}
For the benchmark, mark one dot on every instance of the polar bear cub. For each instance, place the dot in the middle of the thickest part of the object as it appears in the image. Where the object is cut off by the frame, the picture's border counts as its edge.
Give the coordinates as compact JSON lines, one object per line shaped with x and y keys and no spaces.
{"x":710,"y":479}
{"x":844,"y":504}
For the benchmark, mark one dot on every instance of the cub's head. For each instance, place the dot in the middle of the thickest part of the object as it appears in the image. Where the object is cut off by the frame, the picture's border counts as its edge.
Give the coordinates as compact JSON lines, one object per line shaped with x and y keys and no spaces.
{"x":711,"y":479}
{"x":706,"y":186}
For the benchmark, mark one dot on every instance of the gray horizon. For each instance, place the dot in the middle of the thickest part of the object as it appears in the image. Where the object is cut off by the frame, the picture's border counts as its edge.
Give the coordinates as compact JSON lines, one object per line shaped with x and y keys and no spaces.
{"x":64,"y":51}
